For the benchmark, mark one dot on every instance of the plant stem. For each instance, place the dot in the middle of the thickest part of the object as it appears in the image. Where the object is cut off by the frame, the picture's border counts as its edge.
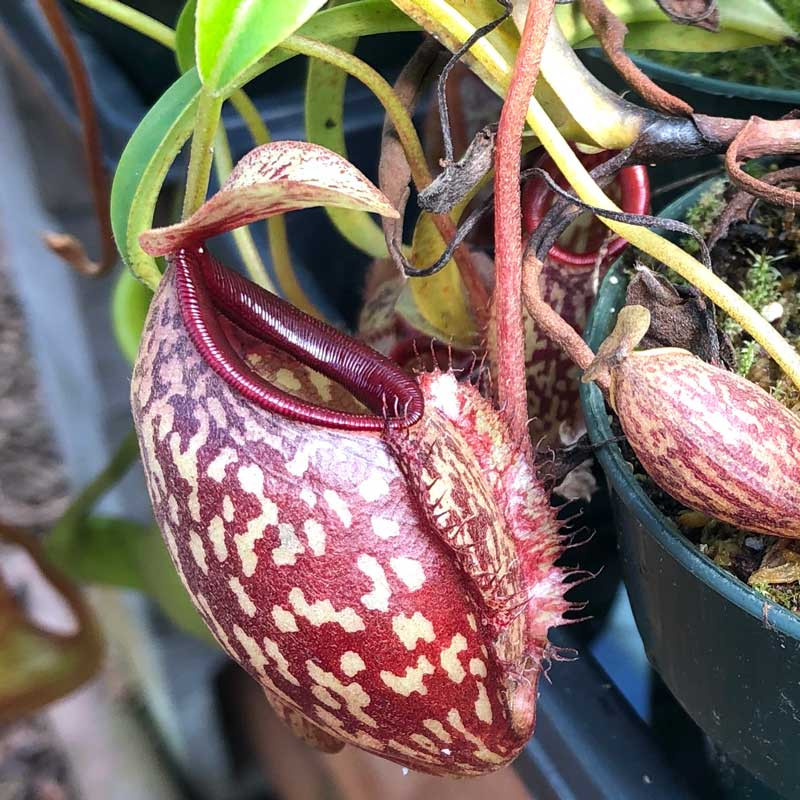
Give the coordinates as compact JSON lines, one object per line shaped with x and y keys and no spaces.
{"x":509,"y":335}
{"x":209,"y":109}
{"x":550,"y":323}
{"x":409,"y":139}
{"x":82,"y":650}
{"x":133,"y":19}
{"x":98,"y":179}
{"x":277,"y":235}
{"x":126,"y":454}
{"x":663,"y":250}
{"x":455,"y":28}
{"x":276,"y":226}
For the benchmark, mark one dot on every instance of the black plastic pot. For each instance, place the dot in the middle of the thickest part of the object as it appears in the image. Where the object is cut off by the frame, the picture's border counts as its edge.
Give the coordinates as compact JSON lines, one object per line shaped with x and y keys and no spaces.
{"x":730,"y":656}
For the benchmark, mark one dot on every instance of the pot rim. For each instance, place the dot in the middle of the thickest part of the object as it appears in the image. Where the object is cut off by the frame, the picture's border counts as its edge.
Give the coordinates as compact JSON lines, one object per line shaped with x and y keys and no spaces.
{"x":703,"y":83}
{"x":623,"y":481}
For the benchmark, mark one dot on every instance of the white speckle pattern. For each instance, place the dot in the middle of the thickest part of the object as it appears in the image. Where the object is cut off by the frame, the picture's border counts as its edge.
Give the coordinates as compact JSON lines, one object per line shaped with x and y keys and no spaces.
{"x":290,"y":547}
{"x":483,"y":708}
{"x":322,"y":611}
{"x":284,"y":620}
{"x":385,"y":528}
{"x":412,"y":680}
{"x":216,"y":533}
{"x":409,"y":630}
{"x":352,"y":663}
{"x":477,"y":667}
{"x":308,"y":497}
{"x":373,"y":488}
{"x":450,"y":661}
{"x":315,"y":536}
{"x":353,"y":694}
{"x":378,"y":598}
{"x":198,"y":551}
{"x":338,"y":506}
{"x":245,"y":603}
{"x":409,"y":571}
{"x":216,"y":469}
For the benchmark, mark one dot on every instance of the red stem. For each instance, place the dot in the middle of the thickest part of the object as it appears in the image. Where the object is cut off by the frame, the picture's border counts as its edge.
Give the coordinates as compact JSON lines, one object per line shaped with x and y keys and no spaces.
{"x":91,"y":132}
{"x":509,"y":332}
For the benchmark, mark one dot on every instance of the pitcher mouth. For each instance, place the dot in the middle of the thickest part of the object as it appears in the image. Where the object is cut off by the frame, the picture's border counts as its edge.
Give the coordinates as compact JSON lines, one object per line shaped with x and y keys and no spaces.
{"x":579,"y":246}
{"x":208,"y":292}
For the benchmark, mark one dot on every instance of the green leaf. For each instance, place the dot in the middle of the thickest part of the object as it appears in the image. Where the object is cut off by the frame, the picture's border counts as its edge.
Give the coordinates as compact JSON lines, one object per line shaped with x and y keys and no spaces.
{"x":163,"y":585}
{"x":98,"y":550}
{"x":324,"y":111}
{"x":143,"y":167}
{"x":129,"y":305}
{"x":184,"y":37}
{"x":232,"y":36}
{"x":38,"y":667}
{"x":439,"y":298}
{"x":111,"y":551}
{"x":166,"y":127}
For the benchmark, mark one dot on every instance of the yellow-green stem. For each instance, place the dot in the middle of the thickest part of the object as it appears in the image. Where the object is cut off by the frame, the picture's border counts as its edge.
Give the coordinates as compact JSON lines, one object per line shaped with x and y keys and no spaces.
{"x":209,"y":109}
{"x":133,"y":19}
{"x":223,"y":164}
{"x":586,"y":188}
{"x":663,"y":250}
{"x":277,"y":235}
{"x":380,"y":88}
{"x":412,"y":147}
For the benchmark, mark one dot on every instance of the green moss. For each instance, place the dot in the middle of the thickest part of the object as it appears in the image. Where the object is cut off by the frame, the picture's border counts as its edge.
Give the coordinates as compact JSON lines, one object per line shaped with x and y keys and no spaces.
{"x":746,"y":357}
{"x":761,"y":286}
{"x":702,"y":216}
{"x":785,"y":594}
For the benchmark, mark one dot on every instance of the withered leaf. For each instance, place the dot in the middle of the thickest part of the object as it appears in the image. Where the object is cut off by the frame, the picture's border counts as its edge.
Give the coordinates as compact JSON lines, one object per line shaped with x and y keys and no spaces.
{"x":459,"y":179}
{"x":679,"y":317}
{"x":781,"y":564}
{"x":701,"y":13}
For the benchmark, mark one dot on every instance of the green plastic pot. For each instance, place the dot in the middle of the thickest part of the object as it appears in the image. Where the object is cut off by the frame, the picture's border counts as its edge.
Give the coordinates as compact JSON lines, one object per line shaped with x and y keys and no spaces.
{"x":706,"y":95}
{"x":729,"y":656}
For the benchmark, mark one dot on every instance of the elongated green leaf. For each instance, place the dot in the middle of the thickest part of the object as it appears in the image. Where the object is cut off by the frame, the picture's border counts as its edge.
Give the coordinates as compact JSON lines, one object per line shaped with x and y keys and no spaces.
{"x":184,"y":36}
{"x":129,"y":305}
{"x":163,"y":585}
{"x":661,"y":36}
{"x":144,"y":165}
{"x":752,"y":19}
{"x":99,"y":550}
{"x":110,"y":551}
{"x":324,"y":113}
{"x":231,"y":35}
{"x":439,"y":298}
{"x":273,"y":179}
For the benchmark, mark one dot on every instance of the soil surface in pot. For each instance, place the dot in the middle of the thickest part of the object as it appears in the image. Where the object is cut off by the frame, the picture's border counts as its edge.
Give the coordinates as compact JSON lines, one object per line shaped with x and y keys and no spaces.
{"x":774,"y":66}
{"x":760,"y":258}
